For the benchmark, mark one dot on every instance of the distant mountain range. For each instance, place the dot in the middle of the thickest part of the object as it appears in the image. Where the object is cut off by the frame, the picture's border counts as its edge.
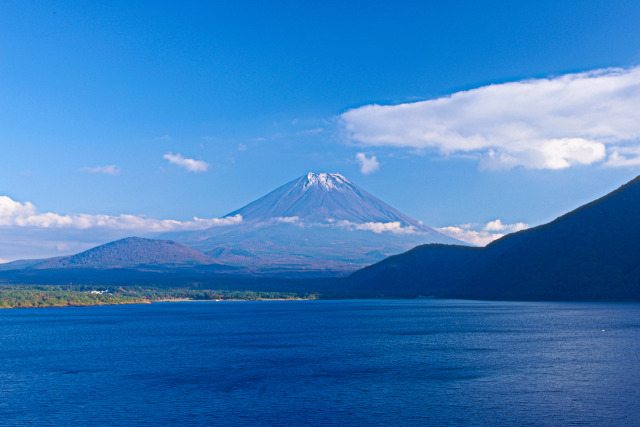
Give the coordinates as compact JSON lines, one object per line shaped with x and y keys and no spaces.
{"x":592,"y":253}
{"x":319,"y":224}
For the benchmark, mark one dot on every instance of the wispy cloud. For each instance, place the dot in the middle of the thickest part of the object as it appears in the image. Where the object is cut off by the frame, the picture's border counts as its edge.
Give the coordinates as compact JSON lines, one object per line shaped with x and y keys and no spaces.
{"x":16,"y":214}
{"x":288,"y":219}
{"x":191,"y":165}
{"x":313,"y":131}
{"x":482,"y":235}
{"x":367,"y":164}
{"x":550,"y":123}
{"x":107,"y":170}
{"x":624,"y":157}
{"x":394,"y":227}
{"x":163,"y":138}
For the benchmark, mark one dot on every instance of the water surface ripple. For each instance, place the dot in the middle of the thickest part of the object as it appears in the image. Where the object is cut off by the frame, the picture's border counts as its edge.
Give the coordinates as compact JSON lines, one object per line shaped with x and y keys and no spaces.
{"x":373,"y":362}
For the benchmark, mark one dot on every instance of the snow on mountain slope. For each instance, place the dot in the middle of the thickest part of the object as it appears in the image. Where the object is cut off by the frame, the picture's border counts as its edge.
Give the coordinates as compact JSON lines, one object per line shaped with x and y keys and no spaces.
{"x":321,"y":197}
{"x":319,"y":223}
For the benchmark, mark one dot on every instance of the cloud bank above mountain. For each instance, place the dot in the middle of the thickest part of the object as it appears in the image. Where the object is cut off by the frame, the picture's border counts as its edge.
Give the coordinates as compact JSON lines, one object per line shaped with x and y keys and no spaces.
{"x":16,"y":214}
{"x":550,"y":123}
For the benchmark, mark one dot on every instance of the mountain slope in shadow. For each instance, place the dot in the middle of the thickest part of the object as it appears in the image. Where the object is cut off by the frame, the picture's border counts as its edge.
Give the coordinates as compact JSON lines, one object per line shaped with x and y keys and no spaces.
{"x":591,"y":253}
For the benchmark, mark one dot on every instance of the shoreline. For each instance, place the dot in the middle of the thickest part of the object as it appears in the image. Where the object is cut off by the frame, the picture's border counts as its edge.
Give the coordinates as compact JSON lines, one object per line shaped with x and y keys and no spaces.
{"x":156,"y":302}
{"x":230,"y":299}
{"x":47,"y":296}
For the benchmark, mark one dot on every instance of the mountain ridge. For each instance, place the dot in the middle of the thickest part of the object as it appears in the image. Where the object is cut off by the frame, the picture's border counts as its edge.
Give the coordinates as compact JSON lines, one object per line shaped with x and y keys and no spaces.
{"x":322,"y":196}
{"x":320,"y":223}
{"x":130,"y":252}
{"x":589,"y":253}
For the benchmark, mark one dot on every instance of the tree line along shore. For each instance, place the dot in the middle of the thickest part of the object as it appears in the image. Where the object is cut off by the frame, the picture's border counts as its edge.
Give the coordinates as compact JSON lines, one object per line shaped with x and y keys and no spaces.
{"x":32,"y":296}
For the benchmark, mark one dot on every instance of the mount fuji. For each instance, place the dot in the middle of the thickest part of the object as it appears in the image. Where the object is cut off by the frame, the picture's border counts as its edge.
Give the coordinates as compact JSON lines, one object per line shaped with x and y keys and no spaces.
{"x":319,"y":224}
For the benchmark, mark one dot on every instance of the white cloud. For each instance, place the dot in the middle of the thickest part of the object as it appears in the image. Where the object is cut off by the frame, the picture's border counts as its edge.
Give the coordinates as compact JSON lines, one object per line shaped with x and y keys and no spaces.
{"x":242,"y":147}
{"x":550,"y":123}
{"x":497,"y":225}
{"x":482,"y":235}
{"x":108,"y":169}
{"x":191,"y":165}
{"x":394,"y":227}
{"x":16,"y":214}
{"x":624,"y":157}
{"x":4,"y":261}
{"x":367,"y":164}
{"x":163,"y":138}
{"x":477,"y":238}
{"x":288,"y":219}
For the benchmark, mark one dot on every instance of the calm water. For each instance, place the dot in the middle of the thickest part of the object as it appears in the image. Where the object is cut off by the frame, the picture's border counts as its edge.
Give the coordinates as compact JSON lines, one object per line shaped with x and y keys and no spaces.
{"x":369,"y":362}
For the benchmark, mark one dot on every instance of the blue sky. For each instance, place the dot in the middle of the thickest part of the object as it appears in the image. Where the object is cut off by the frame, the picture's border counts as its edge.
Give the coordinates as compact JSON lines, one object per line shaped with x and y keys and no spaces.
{"x":175,"y":110}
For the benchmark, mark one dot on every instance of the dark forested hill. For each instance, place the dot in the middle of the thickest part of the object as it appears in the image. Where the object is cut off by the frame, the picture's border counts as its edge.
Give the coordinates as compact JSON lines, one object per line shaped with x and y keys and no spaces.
{"x":591,"y":253}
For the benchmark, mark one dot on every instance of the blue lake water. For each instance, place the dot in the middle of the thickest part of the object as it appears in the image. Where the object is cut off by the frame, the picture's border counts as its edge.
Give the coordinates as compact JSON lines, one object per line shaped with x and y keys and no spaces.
{"x":372,"y":362}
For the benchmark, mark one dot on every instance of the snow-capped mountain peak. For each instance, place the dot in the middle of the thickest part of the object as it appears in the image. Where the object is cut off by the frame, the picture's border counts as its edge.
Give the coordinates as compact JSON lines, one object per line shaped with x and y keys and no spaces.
{"x":326,"y":181}
{"x":318,"y":222}
{"x":325,"y":197}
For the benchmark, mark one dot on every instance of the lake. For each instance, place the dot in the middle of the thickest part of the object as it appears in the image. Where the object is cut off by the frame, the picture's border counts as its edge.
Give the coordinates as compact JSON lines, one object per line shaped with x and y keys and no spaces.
{"x":364,"y":362}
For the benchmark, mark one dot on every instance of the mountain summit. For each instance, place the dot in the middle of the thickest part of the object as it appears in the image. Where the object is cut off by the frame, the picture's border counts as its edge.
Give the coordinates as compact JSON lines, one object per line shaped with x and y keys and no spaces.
{"x":318,"y":224}
{"x":131,"y":252}
{"x":325,"y":197}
